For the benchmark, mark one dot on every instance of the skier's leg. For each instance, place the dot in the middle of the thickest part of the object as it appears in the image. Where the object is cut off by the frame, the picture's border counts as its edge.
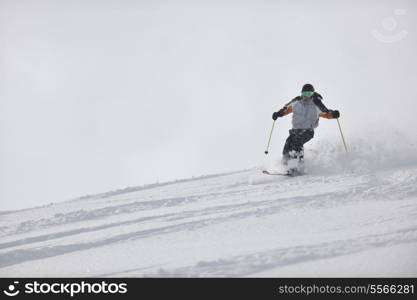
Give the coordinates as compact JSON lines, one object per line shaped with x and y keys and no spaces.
{"x":296,"y":149}
{"x":296,"y":143}
{"x":289,"y":145}
{"x":304,"y":137}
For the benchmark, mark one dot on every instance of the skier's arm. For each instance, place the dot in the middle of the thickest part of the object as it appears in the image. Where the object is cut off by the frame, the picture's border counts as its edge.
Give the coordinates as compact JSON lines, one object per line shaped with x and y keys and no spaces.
{"x":282,"y":112}
{"x":287,"y":109}
{"x":325,"y":112}
{"x":317,"y":101}
{"x":332,"y":114}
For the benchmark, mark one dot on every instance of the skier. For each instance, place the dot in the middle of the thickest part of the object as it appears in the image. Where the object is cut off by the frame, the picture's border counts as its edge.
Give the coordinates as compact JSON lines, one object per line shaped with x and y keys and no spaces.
{"x":306,"y":110}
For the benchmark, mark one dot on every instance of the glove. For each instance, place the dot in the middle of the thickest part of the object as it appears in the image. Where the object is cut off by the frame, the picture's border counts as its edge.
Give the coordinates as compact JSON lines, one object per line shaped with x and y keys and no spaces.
{"x":335,"y":114}
{"x":278,"y":114}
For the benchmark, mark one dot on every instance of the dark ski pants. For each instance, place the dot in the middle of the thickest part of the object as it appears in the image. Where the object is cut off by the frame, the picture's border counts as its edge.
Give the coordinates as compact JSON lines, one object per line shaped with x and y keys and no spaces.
{"x":294,"y":143}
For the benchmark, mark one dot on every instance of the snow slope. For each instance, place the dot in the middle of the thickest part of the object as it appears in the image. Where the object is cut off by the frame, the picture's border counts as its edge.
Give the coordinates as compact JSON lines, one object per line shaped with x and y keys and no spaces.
{"x":354,"y":214}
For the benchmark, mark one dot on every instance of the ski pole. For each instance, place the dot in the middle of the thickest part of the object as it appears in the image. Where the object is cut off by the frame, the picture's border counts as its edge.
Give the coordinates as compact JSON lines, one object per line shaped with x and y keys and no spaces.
{"x":341,"y":133}
{"x":270,"y":135}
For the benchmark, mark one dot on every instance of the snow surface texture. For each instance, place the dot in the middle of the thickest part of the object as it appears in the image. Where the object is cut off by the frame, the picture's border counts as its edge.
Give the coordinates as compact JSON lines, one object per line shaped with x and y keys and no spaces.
{"x":353,"y":214}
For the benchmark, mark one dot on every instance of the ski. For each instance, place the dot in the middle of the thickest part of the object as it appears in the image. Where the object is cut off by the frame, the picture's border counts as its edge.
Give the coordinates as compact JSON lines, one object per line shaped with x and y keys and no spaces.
{"x":269,"y":173}
{"x":282,"y":174}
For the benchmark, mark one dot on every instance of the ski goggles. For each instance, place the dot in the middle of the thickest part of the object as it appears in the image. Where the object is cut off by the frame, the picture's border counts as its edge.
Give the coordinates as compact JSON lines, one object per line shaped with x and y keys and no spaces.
{"x":307,"y":94}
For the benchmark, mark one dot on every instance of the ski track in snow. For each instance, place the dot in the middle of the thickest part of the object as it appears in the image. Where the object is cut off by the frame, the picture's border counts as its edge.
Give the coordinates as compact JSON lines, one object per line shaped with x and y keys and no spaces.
{"x":253,"y":263}
{"x":233,"y":224}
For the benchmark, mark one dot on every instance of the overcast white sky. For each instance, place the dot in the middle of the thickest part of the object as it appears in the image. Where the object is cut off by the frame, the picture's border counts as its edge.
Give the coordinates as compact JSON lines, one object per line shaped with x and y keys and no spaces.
{"x":100,"y":95}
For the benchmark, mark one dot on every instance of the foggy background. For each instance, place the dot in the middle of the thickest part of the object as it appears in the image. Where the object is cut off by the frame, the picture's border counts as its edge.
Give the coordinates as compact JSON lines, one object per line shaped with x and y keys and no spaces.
{"x":100,"y":95}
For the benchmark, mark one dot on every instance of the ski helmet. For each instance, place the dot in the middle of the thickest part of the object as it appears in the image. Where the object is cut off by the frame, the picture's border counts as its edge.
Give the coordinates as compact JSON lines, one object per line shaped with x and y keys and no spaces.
{"x":307,"y":88}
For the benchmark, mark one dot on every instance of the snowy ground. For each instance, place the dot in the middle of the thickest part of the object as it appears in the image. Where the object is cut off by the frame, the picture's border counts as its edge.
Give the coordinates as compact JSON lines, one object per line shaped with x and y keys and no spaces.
{"x":358,"y":218}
